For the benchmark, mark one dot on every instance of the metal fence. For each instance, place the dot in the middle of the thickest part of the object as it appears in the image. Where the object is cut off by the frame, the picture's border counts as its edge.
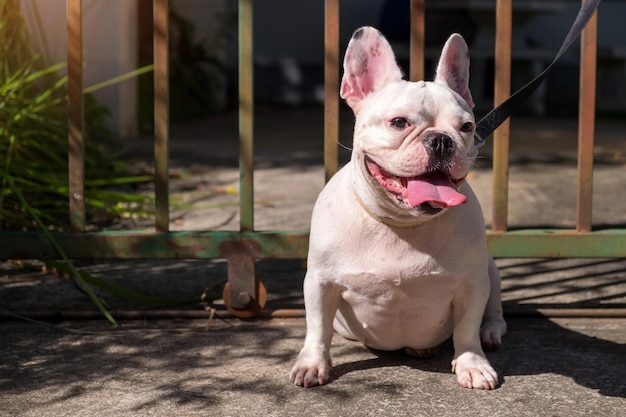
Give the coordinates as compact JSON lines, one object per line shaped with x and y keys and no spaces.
{"x":241,"y":248}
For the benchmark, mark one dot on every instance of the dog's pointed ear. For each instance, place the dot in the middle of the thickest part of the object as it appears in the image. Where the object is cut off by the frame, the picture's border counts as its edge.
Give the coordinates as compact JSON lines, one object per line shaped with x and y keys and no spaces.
{"x":453,"y":67}
{"x":368,"y":66}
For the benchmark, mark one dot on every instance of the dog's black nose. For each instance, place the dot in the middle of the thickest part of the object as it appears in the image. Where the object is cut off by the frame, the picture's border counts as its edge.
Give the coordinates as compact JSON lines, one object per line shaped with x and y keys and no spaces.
{"x":440,"y":146}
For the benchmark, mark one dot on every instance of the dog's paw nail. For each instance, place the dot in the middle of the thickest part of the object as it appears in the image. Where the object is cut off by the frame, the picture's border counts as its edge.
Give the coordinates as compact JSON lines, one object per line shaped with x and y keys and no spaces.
{"x":307,"y":373}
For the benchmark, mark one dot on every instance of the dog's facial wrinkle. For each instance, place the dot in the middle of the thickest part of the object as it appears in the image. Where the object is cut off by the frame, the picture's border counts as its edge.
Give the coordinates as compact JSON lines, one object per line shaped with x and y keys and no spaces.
{"x":390,"y":182}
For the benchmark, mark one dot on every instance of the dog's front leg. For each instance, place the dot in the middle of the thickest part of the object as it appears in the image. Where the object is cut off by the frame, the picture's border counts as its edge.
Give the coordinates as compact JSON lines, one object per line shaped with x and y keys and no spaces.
{"x":313,"y":364}
{"x":493,"y":326}
{"x":470,"y":364}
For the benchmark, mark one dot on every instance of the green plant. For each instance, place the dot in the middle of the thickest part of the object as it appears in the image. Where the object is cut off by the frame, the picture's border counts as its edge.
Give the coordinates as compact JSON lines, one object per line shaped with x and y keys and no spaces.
{"x":33,"y":141}
{"x":76,"y":276}
{"x":33,"y":152}
{"x":83,"y":280}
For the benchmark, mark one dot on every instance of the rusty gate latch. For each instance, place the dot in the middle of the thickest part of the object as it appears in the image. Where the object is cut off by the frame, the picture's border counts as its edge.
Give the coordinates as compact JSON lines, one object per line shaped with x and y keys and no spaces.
{"x":244,"y":294}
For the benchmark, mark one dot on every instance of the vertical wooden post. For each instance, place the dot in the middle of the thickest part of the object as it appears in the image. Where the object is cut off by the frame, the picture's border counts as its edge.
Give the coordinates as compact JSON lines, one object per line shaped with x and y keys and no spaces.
{"x":416,"y":65}
{"x":76,"y":154}
{"x":502,"y":90}
{"x":331,"y":88}
{"x":246,"y":116}
{"x":161,"y":113}
{"x":586,"y":124}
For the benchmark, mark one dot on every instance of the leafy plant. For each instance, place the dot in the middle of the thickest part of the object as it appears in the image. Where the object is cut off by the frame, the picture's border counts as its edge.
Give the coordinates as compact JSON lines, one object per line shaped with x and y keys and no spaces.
{"x":34,"y":148}
{"x":34,"y":144}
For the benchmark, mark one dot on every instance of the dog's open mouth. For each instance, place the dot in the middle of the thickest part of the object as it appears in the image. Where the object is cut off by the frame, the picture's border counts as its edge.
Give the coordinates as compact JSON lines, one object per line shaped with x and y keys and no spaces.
{"x":431,"y":192}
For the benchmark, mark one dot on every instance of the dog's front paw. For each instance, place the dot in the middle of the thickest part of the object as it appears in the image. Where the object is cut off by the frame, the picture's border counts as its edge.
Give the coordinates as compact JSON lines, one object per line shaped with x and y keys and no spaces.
{"x":474,"y":371}
{"x":312,"y":368}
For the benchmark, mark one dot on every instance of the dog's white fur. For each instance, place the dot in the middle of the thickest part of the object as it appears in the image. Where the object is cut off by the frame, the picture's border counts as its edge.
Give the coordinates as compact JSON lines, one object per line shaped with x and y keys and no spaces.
{"x":380,"y":271}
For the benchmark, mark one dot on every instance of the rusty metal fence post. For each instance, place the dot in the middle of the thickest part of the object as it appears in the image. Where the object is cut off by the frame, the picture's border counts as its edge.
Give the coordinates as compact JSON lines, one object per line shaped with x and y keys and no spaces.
{"x":76,"y":153}
{"x":161,"y":115}
{"x":416,"y":42}
{"x":586,"y":124}
{"x":331,"y":87}
{"x":582,"y":241}
{"x":246,"y":116}
{"x":502,"y":91}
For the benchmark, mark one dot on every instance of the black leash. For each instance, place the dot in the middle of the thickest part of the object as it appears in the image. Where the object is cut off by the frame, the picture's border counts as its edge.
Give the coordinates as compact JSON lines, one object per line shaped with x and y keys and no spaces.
{"x":495,"y":117}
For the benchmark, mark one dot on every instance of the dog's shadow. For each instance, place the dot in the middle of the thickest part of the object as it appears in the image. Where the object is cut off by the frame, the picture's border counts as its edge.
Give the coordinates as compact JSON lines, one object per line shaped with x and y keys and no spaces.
{"x":540,"y":345}
{"x":532,"y":346}
{"x":439,"y":362}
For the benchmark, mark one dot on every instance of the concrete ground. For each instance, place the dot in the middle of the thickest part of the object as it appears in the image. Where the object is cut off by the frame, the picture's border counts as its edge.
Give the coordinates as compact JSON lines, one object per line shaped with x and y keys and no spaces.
{"x":565,"y":367}
{"x":180,"y":361}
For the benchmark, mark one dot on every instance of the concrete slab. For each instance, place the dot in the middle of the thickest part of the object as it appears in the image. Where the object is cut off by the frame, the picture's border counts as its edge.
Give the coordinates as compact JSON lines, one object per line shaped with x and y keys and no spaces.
{"x":567,"y":367}
{"x":552,"y":367}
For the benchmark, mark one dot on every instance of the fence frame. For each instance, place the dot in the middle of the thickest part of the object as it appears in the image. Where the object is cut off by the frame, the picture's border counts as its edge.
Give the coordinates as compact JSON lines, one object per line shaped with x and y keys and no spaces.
{"x":241,"y":248}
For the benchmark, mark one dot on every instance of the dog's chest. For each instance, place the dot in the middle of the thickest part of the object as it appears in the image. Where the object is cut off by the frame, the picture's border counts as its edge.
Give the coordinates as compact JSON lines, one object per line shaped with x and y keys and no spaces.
{"x":390,"y":269}
{"x":398,"y":298}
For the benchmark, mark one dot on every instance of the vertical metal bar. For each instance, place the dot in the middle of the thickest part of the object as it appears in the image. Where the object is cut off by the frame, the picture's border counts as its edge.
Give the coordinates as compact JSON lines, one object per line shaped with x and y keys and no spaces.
{"x":586,"y":124}
{"x":502,"y":90}
{"x":76,"y":153}
{"x":161,"y":114}
{"x":416,"y":63}
{"x":246,"y":116}
{"x":331,"y":88}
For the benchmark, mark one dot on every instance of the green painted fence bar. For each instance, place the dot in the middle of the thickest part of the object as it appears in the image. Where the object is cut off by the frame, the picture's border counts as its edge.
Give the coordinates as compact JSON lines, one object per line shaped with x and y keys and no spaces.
{"x":246,"y":116}
{"x":558,"y":243}
{"x":288,"y":244}
{"x":149,"y":245}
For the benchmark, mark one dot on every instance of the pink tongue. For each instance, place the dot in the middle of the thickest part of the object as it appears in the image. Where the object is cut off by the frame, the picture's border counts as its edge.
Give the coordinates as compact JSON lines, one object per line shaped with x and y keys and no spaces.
{"x":436,"y":189}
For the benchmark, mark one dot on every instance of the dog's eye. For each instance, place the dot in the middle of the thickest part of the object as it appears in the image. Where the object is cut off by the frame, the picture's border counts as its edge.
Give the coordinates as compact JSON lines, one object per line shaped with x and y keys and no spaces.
{"x":399,"y":122}
{"x":468,"y":127}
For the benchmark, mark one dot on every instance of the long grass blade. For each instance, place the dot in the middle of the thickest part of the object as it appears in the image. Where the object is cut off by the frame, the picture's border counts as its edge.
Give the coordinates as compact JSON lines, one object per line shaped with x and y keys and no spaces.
{"x":114,"y":289}
{"x":73,"y":271}
{"x":119,"y":79}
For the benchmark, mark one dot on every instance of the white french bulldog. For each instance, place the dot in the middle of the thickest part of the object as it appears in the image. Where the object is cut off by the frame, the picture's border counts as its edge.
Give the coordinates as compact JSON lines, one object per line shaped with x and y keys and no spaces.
{"x":398,"y":255}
